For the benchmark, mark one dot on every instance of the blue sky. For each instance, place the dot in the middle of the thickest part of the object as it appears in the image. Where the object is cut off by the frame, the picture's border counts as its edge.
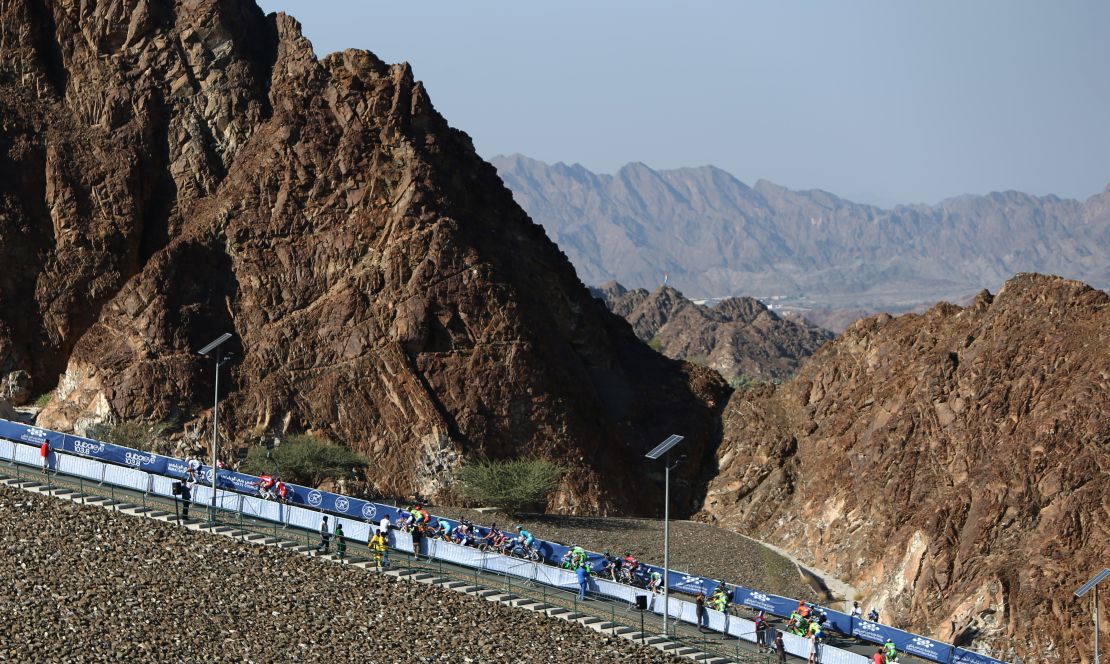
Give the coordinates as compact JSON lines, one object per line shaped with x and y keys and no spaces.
{"x":880,"y":101}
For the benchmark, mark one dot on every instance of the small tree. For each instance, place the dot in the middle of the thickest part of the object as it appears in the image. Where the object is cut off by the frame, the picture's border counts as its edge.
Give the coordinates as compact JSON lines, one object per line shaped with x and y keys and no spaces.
{"x":510,"y":484}
{"x":305,"y":460}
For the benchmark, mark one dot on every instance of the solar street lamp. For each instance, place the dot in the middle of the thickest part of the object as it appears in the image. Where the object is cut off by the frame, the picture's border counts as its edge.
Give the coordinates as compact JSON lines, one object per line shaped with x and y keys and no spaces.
{"x":207,"y":350}
{"x":663,"y":449}
{"x":1086,"y":588}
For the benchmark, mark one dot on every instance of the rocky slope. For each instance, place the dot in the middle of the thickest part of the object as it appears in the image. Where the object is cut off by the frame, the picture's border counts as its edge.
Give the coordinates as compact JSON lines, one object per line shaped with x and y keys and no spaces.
{"x":952,"y":465}
{"x":173,"y":172}
{"x":718,"y":237}
{"x":739,"y":337}
{"x":94,"y":586}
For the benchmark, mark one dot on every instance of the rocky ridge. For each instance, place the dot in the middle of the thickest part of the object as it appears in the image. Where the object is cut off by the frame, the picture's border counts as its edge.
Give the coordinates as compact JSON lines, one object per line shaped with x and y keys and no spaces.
{"x":739,"y":337}
{"x":952,"y":465}
{"x":718,"y":237}
{"x":175,"y":171}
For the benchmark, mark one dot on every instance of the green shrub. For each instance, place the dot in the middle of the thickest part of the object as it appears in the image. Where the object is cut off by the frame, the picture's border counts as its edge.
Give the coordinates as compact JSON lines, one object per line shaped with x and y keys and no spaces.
{"x":656,"y":344}
{"x":304,"y":460}
{"x":510,"y":484}
{"x":44,"y":399}
{"x":137,"y":434}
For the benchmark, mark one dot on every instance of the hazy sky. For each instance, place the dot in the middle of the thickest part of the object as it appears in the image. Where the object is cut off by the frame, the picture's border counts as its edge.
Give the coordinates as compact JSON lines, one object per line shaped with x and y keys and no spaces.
{"x":887,"y":101}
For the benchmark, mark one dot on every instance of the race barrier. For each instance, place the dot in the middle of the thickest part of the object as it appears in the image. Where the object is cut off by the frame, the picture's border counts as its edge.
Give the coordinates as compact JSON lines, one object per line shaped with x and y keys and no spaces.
{"x":107,"y":463}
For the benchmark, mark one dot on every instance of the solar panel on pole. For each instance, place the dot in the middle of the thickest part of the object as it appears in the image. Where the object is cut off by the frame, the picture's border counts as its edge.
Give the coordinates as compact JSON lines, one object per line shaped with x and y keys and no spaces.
{"x":665,"y":446}
{"x":1086,"y":587}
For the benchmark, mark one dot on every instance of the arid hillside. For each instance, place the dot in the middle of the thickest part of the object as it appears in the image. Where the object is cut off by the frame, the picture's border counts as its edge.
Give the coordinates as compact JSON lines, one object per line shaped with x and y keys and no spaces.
{"x":739,"y":337}
{"x":953,"y":465}
{"x":173,"y":171}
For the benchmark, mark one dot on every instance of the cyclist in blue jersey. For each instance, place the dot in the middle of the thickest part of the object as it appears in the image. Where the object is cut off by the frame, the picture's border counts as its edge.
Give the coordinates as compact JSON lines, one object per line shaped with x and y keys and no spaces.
{"x":526,"y":538}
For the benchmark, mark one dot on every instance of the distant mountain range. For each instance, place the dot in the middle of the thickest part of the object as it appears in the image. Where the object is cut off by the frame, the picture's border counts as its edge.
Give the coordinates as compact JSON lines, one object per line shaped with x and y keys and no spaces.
{"x":717,"y":237}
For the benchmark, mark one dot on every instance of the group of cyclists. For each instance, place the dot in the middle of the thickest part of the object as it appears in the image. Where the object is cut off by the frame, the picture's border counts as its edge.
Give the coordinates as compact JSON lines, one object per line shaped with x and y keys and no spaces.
{"x":519,"y":543}
{"x":806,"y":620}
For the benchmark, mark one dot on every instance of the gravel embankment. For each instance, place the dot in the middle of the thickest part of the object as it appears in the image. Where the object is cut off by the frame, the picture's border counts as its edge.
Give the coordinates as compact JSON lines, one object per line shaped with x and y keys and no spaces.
{"x":85,"y":585}
{"x":697,"y":548}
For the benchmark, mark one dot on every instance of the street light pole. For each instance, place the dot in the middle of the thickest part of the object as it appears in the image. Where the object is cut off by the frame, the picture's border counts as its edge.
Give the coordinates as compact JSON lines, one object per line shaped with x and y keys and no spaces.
{"x":663,"y":449}
{"x":1083,"y":590}
{"x":666,"y":538}
{"x":215,"y":346}
{"x":215,"y":436}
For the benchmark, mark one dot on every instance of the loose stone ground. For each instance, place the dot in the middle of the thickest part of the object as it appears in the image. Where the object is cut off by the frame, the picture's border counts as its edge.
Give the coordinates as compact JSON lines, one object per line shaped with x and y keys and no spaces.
{"x":85,"y":585}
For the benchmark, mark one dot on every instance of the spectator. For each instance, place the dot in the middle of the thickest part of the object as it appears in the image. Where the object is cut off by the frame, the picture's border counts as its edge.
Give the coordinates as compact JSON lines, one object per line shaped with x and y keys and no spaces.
{"x":417,"y":538}
{"x":325,"y":536}
{"x":812,"y":649}
{"x":583,"y":582}
{"x":780,"y":648}
{"x":857,"y":612}
{"x":878,"y":658}
{"x":873,"y":615}
{"x":379,"y":549}
{"x":186,"y":496}
{"x":44,"y":452}
{"x":340,"y":543}
{"x":761,"y":632}
{"x":383,"y":526}
{"x":703,"y":615}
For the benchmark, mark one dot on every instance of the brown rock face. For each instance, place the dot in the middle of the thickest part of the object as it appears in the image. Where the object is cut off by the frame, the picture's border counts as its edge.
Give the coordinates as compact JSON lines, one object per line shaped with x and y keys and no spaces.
{"x":739,"y":337}
{"x":172,"y":172}
{"x":953,"y":465}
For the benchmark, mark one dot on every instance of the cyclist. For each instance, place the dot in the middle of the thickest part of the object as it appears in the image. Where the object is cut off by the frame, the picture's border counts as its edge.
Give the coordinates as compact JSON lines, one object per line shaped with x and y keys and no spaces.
{"x":266,"y":485}
{"x":803,"y":609}
{"x":284,"y":493}
{"x":526,"y":539}
{"x":890,"y":651}
{"x":567,"y":561}
{"x":655,"y":585}
{"x":816,"y":631}
{"x":578,"y":556}
{"x":497,"y":538}
{"x":432,"y":530}
{"x":629,"y":564}
{"x":610,"y":566}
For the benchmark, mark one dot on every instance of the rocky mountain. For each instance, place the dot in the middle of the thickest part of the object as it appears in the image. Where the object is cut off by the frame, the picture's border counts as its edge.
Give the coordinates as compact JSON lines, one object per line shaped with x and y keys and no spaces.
{"x":173,"y":171}
{"x":952,"y":465}
{"x":718,"y":237}
{"x":739,"y":337}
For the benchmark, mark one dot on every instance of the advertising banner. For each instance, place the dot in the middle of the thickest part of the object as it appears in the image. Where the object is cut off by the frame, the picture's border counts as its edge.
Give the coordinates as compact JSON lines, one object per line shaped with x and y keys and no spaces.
{"x":961,"y":656}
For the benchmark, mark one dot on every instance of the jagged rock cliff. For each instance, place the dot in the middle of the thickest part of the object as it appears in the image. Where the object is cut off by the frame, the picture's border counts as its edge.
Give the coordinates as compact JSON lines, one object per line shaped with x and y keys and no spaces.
{"x":739,"y":336}
{"x":172,"y":171}
{"x":953,"y":465}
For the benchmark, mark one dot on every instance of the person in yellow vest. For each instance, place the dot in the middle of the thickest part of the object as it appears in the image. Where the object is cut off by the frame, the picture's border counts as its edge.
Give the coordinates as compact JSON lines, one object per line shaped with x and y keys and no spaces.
{"x":379,"y":550}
